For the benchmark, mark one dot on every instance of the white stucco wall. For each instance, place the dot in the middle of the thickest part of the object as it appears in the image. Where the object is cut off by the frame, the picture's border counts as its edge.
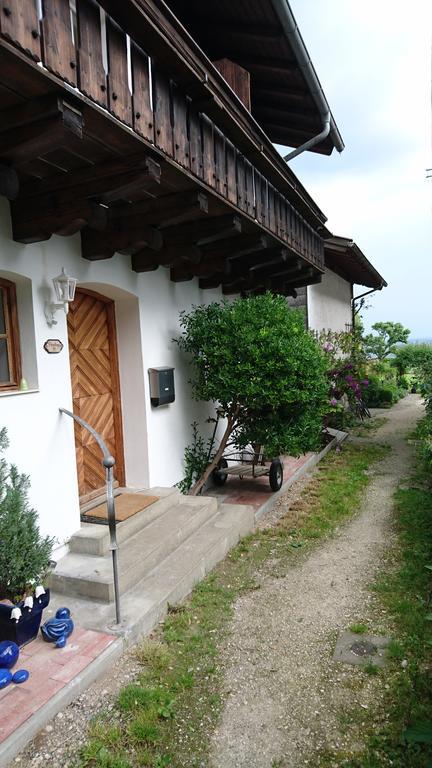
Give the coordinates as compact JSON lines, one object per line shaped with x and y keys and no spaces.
{"x":147,"y":314}
{"x":329,"y":303}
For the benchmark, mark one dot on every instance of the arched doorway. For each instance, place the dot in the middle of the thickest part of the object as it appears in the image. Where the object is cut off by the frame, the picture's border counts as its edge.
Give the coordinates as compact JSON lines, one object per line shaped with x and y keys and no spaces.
{"x":95,"y":388}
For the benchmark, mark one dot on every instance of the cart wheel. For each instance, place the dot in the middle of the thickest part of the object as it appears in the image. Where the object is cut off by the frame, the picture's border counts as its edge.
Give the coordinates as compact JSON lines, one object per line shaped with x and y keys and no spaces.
{"x":220,"y":478}
{"x":276,"y":475}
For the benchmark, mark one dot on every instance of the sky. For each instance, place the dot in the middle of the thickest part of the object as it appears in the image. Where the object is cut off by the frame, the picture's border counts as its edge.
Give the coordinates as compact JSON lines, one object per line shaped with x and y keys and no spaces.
{"x":373,"y":59}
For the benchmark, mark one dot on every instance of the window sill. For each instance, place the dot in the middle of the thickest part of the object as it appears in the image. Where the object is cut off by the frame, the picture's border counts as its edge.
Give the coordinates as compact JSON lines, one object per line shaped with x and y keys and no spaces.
{"x":13,"y":392}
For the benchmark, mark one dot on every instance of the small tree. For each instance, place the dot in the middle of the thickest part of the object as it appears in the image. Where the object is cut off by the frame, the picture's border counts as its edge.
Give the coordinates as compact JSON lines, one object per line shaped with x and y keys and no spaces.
{"x":24,"y":553}
{"x":266,"y":374}
{"x":383,"y":343}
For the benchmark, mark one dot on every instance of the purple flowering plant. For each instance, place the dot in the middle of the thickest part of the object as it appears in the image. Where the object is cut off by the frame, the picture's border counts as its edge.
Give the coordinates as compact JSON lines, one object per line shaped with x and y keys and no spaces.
{"x":346,"y":384}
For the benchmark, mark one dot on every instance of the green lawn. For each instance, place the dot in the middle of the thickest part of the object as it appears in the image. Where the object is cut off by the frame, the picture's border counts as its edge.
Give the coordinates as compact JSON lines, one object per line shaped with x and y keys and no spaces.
{"x":166,"y":716}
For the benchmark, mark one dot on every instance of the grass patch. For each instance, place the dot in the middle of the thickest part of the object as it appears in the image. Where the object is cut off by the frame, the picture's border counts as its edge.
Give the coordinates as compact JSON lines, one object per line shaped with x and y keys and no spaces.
{"x":400,"y":734}
{"x":368,"y":427}
{"x":167,"y":715}
{"x":358,"y":629}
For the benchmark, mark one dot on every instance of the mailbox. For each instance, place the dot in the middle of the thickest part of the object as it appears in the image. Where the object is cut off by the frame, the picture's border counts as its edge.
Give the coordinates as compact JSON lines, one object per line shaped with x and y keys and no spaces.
{"x":161,"y":386}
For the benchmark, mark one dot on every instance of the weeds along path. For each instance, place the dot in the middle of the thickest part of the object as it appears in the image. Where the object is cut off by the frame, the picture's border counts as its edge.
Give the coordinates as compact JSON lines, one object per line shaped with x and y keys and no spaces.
{"x":285,"y":697}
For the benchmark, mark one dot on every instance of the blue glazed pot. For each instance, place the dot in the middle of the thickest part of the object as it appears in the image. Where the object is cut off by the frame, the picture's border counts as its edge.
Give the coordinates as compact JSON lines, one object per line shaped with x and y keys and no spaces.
{"x":9,"y":653}
{"x":26,"y":628}
{"x":5,"y":678}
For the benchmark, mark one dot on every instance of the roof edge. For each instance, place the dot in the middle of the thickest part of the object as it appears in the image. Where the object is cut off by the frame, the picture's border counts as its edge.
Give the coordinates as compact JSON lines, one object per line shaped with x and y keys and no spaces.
{"x":290,"y":26}
{"x":349,"y":248}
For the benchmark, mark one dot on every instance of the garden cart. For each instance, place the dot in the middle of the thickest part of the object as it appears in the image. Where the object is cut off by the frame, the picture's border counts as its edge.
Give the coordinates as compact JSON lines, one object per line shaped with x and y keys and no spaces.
{"x":249,"y":464}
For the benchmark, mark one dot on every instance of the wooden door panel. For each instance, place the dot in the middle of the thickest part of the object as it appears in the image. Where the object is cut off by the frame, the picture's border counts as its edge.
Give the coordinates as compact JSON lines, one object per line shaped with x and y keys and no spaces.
{"x":95,"y":387}
{"x":98,"y":411}
{"x":91,"y":372}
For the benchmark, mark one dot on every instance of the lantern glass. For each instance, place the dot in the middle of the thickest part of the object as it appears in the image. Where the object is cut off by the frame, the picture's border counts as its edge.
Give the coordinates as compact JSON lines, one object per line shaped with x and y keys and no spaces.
{"x":64,"y":287}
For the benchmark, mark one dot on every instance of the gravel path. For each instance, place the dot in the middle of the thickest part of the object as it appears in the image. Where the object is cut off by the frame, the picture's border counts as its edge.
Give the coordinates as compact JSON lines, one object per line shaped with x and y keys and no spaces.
{"x":284,"y":694}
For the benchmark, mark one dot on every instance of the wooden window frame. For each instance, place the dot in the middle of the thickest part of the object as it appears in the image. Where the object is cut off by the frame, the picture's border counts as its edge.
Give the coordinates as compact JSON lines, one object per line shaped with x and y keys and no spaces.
{"x":11,"y":335}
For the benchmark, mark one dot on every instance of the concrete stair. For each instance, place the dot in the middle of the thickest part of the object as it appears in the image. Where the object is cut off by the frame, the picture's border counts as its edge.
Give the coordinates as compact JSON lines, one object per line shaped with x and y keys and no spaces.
{"x":171,"y":580}
{"x":145,"y":540}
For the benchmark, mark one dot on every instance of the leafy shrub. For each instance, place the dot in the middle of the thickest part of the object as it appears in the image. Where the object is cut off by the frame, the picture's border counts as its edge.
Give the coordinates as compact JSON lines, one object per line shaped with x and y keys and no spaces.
{"x":24,"y":553}
{"x":380,"y":394}
{"x":256,"y":362}
{"x":196,"y":458}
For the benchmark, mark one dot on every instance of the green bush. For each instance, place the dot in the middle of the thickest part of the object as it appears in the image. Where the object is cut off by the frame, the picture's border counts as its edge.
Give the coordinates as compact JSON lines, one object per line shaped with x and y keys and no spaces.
{"x":381,"y":394}
{"x":24,"y":553}
{"x":264,"y":372}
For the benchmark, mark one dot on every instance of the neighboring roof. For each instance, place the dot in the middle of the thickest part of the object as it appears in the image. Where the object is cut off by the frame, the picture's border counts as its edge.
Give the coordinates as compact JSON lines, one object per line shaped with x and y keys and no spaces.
{"x":344,"y":257}
{"x":262,"y":36}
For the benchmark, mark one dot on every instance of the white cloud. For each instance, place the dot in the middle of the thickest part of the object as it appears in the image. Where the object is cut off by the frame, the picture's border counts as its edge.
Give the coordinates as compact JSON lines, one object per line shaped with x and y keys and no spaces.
{"x":374,"y":61}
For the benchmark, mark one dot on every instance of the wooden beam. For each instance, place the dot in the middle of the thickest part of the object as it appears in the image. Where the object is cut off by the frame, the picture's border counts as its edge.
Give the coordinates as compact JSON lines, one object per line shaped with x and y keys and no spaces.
{"x":236,"y":247}
{"x":145,"y":260}
{"x":37,"y":217}
{"x":83,"y":213}
{"x":165,"y":211}
{"x":210,"y":282}
{"x":278,"y":262}
{"x":203,"y":232}
{"x":95,"y":180}
{"x":9,"y":183}
{"x":49,"y":130}
{"x":95,"y":246}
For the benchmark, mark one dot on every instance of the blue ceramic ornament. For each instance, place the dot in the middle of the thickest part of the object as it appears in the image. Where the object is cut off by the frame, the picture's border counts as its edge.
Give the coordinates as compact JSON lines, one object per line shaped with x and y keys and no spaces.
{"x":5,"y":678}
{"x":57,"y":630}
{"x":20,"y":676}
{"x":9,"y":653}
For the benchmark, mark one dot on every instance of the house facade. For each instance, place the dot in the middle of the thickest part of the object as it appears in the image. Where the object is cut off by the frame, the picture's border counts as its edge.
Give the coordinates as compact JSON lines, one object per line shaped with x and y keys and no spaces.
{"x":329,"y":305}
{"x":136,"y":155}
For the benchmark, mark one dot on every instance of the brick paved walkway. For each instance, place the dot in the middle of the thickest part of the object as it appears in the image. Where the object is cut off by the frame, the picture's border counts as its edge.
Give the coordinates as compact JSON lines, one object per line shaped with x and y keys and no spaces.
{"x":50,"y":670}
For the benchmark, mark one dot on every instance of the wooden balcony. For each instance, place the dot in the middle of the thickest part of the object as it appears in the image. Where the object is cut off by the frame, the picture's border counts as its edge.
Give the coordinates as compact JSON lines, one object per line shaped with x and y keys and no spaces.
{"x":95,"y":136}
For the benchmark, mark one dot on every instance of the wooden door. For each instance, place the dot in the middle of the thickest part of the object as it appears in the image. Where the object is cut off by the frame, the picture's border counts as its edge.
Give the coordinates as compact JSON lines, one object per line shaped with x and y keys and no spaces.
{"x":95,"y":388}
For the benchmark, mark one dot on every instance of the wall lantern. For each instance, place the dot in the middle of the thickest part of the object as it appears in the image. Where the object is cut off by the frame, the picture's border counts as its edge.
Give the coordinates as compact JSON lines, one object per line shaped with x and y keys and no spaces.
{"x":64,"y":287}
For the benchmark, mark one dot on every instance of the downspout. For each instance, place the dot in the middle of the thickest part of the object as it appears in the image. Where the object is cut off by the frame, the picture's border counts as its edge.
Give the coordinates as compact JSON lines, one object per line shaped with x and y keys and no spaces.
{"x":311,"y":142}
{"x":289,"y":25}
{"x":361,"y":296}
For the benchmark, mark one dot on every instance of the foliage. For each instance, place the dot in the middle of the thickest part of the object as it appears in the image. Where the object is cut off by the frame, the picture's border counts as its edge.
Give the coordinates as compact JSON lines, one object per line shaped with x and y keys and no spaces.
{"x":416,"y":359}
{"x":346,"y":360}
{"x":255,"y":360}
{"x":383,"y":343}
{"x":196,"y":459}
{"x":413,"y":357}
{"x":166,"y":716}
{"x":381,"y":394}
{"x":24,"y":553}
{"x":402,"y":738}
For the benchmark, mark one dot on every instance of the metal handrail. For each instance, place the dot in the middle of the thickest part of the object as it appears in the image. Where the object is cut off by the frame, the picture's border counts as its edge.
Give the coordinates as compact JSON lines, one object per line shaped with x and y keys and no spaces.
{"x":108,"y":462}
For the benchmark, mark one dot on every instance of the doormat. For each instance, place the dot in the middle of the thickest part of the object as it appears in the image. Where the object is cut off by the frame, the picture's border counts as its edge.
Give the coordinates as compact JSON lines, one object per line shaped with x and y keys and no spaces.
{"x":126,"y":505}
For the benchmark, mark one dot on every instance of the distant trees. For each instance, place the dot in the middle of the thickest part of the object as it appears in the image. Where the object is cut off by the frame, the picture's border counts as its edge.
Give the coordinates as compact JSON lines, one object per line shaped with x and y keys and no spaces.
{"x":384,"y":342}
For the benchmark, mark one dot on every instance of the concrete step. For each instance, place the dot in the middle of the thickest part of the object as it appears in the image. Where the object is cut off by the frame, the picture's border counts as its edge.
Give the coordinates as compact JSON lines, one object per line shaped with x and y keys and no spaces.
{"x":171,"y":581}
{"x":93,"y":539}
{"x":92,"y":576}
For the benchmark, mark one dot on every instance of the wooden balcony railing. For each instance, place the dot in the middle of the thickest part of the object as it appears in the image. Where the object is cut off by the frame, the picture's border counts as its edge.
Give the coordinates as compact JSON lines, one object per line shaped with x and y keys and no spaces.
{"x":82,"y":45}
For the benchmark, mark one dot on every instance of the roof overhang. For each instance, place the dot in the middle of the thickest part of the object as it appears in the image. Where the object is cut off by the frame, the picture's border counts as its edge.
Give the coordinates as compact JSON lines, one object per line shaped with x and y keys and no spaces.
{"x":287,"y":99}
{"x":344,"y":257}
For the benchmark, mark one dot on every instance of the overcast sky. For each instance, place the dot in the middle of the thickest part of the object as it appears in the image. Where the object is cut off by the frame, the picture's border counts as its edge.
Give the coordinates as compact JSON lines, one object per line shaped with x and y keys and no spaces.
{"x":373,"y":59}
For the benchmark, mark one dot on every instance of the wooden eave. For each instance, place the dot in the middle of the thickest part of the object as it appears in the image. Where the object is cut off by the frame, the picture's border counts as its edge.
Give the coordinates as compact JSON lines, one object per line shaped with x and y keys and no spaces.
{"x":346,"y":259}
{"x":250,"y":33}
{"x":157,"y":182}
{"x":153,"y":25}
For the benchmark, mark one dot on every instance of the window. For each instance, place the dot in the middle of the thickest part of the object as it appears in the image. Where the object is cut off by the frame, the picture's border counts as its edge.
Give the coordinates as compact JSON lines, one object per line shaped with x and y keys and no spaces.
{"x":10,"y":359}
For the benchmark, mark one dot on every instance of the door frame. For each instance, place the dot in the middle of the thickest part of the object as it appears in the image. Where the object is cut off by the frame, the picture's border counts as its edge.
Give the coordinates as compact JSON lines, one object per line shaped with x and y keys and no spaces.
{"x":116,"y":393}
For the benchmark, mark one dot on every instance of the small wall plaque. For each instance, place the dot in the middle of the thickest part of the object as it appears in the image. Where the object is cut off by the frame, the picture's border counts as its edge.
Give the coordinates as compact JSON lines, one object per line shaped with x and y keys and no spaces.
{"x":53,"y":346}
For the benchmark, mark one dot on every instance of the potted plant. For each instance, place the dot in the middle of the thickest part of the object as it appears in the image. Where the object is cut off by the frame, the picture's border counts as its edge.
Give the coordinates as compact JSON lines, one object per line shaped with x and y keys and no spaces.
{"x":24,"y":557}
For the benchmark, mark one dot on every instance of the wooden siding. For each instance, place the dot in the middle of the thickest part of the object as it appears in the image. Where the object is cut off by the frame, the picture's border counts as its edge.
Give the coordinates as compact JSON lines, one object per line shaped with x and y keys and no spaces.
{"x":114,"y":72}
